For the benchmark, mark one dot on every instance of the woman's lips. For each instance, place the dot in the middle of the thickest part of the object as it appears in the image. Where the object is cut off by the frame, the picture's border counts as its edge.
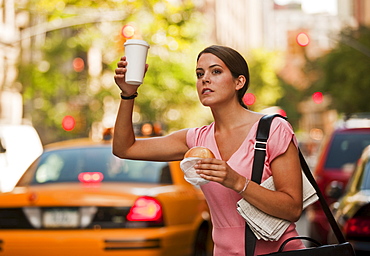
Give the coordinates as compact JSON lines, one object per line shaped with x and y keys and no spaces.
{"x":206,"y":91}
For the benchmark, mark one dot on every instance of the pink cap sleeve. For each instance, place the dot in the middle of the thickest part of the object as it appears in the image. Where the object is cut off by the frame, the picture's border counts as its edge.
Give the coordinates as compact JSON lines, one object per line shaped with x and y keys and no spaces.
{"x":281,"y":134}
{"x":190,"y":137}
{"x":200,"y":136}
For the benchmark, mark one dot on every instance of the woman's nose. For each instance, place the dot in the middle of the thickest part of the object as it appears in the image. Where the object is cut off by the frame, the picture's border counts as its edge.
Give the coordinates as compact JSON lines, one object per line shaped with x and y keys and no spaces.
{"x":206,"y":78}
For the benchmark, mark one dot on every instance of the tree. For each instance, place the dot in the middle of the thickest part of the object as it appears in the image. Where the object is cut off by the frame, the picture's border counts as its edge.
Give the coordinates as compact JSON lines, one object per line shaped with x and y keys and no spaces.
{"x":264,"y":82}
{"x":343,"y":73}
{"x":58,"y":82}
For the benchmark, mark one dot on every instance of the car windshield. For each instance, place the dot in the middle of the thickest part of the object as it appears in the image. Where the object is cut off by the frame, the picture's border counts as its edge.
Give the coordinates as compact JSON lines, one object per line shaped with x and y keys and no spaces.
{"x":346,"y":149}
{"x":68,"y":165}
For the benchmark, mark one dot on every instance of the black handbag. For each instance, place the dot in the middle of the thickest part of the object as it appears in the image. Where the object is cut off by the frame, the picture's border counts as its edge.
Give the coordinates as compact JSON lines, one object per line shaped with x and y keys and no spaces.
{"x":343,"y":248}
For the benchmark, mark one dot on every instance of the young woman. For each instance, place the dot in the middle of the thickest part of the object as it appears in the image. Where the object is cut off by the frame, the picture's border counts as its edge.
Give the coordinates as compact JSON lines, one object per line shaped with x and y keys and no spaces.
{"x":222,"y":80}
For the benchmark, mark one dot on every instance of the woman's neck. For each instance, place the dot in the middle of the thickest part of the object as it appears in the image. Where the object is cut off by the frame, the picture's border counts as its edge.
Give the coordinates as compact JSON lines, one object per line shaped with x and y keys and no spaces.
{"x":230,"y":118}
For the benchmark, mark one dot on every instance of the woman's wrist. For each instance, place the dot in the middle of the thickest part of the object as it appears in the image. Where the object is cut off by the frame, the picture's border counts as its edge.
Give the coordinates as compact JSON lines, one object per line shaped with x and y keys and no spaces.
{"x":129,"y":97}
{"x":244,"y":186}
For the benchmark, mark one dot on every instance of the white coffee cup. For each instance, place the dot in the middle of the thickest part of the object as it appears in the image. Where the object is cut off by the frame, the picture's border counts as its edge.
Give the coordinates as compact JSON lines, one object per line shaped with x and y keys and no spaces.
{"x":136,"y":52}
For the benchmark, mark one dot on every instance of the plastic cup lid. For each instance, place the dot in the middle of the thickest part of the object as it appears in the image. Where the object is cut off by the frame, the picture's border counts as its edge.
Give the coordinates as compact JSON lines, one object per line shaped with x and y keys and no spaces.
{"x":136,"y":41}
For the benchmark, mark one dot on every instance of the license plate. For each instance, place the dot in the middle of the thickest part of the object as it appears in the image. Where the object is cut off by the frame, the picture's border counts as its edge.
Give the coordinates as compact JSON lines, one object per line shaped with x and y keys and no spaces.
{"x":61,"y":218}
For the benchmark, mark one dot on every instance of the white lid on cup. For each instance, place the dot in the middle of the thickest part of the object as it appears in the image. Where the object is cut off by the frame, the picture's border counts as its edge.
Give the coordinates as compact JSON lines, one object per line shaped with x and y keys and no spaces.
{"x":136,"y":41}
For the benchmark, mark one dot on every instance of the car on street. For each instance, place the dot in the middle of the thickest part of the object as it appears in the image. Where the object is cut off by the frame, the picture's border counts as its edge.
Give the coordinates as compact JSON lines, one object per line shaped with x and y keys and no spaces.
{"x":77,"y":198}
{"x":335,"y":166}
{"x":352,"y":212}
{"x":20,"y":145}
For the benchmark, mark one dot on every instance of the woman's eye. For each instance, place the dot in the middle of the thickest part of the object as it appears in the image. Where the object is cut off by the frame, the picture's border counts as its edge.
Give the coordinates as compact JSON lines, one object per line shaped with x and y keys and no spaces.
{"x":216,"y":71}
{"x":199,"y":75}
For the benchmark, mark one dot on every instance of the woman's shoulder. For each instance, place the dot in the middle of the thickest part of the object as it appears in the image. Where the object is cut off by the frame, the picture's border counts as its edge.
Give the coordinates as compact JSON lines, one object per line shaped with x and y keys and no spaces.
{"x":281,"y":123}
{"x":281,"y":134}
{"x":197,"y":134}
{"x":201,"y":129}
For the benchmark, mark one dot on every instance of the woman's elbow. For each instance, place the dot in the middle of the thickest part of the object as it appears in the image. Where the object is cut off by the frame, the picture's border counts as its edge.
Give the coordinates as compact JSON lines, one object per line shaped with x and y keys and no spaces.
{"x":295,"y":213}
{"x":117,"y":152}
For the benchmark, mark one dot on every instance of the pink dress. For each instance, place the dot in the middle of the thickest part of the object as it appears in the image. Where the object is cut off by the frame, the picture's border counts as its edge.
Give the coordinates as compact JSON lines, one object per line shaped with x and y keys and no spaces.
{"x":228,"y":225}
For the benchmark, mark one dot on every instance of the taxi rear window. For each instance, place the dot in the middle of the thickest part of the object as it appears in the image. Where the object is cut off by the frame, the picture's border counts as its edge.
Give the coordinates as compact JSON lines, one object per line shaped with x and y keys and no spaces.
{"x":67,"y":166}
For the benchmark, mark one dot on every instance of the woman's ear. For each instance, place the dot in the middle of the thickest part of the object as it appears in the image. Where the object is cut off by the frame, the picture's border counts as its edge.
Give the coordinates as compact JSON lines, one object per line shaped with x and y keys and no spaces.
{"x":240,"y":82}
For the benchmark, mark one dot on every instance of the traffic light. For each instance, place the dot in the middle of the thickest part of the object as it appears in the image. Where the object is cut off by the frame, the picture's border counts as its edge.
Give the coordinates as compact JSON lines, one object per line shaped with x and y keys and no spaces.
{"x":318,"y":97}
{"x":68,"y":123}
{"x":281,"y":112}
{"x":303,"y":39}
{"x":78,"y":64}
{"x":297,"y":41}
{"x":128,"y":31}
{"x":249,"y":99}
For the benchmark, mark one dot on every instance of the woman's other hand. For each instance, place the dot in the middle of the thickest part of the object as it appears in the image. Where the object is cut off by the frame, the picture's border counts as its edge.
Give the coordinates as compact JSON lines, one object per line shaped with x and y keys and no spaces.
{"x":217,"y":170}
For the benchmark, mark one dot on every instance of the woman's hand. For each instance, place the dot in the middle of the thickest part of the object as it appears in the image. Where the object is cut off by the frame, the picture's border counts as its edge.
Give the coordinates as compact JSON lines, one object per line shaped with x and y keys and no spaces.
{"x":119,"y":78}
{"x":217,"y":170}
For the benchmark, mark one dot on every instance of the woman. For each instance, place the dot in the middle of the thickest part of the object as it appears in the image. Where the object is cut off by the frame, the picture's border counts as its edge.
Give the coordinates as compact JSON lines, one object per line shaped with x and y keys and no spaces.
{"x":222,"y":80}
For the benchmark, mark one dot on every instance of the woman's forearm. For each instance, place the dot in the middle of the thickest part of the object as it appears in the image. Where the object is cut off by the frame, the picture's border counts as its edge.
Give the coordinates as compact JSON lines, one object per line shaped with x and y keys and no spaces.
{"x":124,"y":136}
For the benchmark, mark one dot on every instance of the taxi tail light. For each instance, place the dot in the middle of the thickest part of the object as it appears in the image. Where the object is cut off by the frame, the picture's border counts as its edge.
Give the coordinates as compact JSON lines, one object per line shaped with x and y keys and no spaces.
{"x":358,"y":227}
{"x":146,"y":209}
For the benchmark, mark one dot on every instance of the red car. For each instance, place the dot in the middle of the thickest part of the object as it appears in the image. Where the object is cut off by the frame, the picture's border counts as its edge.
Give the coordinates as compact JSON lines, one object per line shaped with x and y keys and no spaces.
{"x":334,"y":168}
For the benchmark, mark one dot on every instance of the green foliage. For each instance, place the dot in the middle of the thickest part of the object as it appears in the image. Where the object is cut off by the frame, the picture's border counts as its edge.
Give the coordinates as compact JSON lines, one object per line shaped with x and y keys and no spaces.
{"x":264,"y":80}
{"x":289,"y":101}
{"x":52,"y":88}
{"x":344,"y":72}
{"x":170,"y":96}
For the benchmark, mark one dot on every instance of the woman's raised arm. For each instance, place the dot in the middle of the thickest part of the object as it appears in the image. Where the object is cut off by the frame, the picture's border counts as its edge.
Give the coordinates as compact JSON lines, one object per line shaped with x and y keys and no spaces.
{"x":125,"y":145}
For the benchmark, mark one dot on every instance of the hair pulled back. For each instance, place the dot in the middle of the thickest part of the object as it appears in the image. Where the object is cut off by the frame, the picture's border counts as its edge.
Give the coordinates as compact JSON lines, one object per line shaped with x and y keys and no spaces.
{"x":235,"y":63}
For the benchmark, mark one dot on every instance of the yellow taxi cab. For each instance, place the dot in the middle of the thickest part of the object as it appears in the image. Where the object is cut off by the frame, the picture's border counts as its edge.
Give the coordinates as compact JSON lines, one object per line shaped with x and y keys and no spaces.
{"x":77,"y":198}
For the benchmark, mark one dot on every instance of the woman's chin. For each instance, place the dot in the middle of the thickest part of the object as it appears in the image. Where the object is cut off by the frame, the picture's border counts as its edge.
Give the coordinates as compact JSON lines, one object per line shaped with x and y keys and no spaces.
{"x":207,"y":102}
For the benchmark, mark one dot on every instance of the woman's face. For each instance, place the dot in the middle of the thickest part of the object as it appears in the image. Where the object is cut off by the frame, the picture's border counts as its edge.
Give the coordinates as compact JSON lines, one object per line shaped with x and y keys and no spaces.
{"x":215,"y":84}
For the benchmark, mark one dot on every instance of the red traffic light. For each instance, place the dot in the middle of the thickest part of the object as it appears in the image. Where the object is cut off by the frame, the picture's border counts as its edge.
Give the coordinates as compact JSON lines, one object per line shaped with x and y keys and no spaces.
{"x":78,"y":64}
{"x":128,"y":31}
{"x":282,"y":112}
{"x":318,"y":97}
{"x":68,"y":123}
{"x":249,"y":99}
{"x":303,"y":39}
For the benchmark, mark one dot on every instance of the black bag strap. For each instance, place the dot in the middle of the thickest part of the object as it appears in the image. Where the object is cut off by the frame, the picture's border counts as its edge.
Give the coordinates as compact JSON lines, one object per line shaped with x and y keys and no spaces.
{"x":263,"y":132}
{"x":260,"y":145}
{"x":329,"y":215}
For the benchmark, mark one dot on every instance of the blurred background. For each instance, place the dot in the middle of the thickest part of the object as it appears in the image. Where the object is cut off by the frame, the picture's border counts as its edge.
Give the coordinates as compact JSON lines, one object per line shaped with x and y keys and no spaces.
{"x":309,"y":59}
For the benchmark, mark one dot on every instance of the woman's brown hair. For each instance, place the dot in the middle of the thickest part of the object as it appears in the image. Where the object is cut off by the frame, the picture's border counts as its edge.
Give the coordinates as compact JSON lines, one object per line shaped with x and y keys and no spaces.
{"x":235,"y":63}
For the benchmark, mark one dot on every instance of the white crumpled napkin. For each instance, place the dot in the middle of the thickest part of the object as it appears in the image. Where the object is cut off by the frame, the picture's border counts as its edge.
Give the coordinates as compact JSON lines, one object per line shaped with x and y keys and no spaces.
{"x":190,"y":175}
